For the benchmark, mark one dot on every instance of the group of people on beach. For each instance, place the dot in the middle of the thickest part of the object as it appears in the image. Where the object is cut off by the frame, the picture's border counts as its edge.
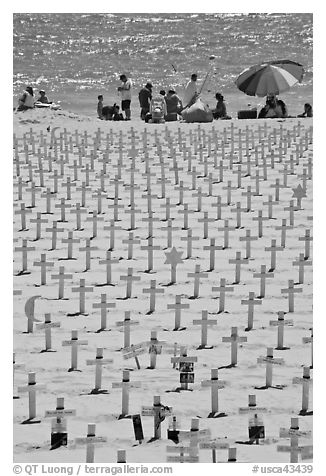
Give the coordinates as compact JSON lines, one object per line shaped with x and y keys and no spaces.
{"x":27,"y":99}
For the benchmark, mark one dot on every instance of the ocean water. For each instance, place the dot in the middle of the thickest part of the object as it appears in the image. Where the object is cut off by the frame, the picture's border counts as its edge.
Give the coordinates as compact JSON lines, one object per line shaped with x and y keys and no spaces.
{"x":76,"y":57}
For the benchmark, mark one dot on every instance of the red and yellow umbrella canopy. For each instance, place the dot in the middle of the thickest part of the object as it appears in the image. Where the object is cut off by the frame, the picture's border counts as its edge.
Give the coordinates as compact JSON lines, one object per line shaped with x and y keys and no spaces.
{"x":273,"y":77}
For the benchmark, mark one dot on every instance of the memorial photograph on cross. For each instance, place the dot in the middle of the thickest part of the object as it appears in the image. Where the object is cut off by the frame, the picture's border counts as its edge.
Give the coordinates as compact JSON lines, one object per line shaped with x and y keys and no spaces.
{"x":162,"y":269}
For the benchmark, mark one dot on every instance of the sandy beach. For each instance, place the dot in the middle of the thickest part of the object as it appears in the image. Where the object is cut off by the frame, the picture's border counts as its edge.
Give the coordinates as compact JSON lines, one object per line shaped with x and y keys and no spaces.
{"x":203,"y":158}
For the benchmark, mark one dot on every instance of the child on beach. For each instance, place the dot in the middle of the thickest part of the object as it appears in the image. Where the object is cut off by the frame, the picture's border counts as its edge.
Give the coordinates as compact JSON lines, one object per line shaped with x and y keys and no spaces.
{"x":43,"y":98}
{"x":26,"y":100}
{"x":307,"y":111}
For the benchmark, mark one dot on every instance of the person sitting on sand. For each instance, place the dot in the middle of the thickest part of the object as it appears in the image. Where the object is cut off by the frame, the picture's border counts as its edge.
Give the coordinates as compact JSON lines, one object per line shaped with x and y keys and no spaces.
{"x":173,"y":105}
{"x":43,"y":98}
{"x":26,"y":101}
{"x":145,"y":97}
{"x":274,"y":108}
{"x":307,"y":112}
{"x":111,"y":113}
{"x":220,"y":110}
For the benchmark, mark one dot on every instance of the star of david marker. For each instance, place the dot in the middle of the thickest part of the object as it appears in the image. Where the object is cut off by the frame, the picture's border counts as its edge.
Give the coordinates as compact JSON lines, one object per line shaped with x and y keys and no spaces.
{"x":173,"y":258}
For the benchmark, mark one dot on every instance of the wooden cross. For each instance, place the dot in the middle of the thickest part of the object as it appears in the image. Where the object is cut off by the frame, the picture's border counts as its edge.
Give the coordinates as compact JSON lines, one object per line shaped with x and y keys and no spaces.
{"x":116,"y":208}
{"x":248,"y":239}
{"x":108,"y":261}
{"x":24,"y":249}
{"x":82,"y":290}
{"x":234,"y":339}
{"x":251,"y":303}
{"x":307,"y":239}
{"x":88,"y":248}
{"x":47,"y":326}
{"x":291,"y":208}
{"x":74,"y":342}
{"x":189,"y":239}
{"x":290,"y":291}
{"x":152,"y":291}
{"x":215,"y":385}
{"x":309,"y":340}
{"x":270,"y":202}
{"x":104,"y":306}
{"x":269,"y":361}
{"x":62,"y":205}
{"x":294,"y":449}
{"x":54,"y":230}
{"x":197,"y":275}
{"x":130,"y":242}
{"x":305,"y":380}
{"x":159,"y":412}
{"x":273,"y":249}
{"x":219,"y":205}
{"x":263,"y":275}
{"x":61,"y":277}
{"x":204,"y":322}
{"x":177,"y":306}
{"x":155,"y":348}
{"x":99,"y":194}
{"x":252,"y":406}
{"x":39,"y":220}
{"x":150,"y":219}
{"x":277,"y":187}
{"x":226,"y":228}
{"x":90,"y":440}
{"x":248,"y":194}
{"x":212,"y":248}
{"x":238,"y":261}
{"x":126,"y":325}
{"x":215,"y":444}
{"x":169,"y":229}
{"x":31,"y":388}
{"x":301,"y":263}
{"x":150,"y":248}
{"x":185,"y":212}
{"x":132,"y":211}
{"x":59,"y":435}
{"x":99,"y":361}
{"x":229,"y":189}
{"x":23,"y":212}
{"x":260,"y":219}
{"x":129,"y":279}
{"x":222,"y":289}
{"x":280,"y":323}
{"x":283,"y":229}
{"x":94,"y":219}
{"x":78,"y":212}
{"x":32,"y":189}
{"x":133,"y":351}
{"x":173,"y":258}
{"x":112,"y":227}
{"x":125,"y":385}
{"x":70,"y":241}
{"x":83,"y":189}
{"x":43,"y":264}
{"x":195,"y":435}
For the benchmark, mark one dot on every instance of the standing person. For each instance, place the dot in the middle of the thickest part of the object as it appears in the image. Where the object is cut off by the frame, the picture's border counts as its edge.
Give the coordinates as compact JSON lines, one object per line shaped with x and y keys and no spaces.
{"x":100,"y":106}
{"x":125,"y":90}
{"x":191,"y":92}
{"x":26,"y":100}
{"x":145,"y":96}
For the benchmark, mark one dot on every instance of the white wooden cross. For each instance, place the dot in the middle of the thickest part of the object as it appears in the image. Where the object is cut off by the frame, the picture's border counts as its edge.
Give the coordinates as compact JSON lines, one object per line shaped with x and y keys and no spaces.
{"x":23,"y":212}
{"x":238,"y":211}
{"x":248,"y":194}
{"x":177,"y":306}
{"x":306,"y":238}
{"x":195,"y":435}
{"x":70,"y":241}
{"x":62,"y":205}
{"x":252,"y":406}
{"x":215,"y":385}
{"x":94,"y":219}
{"x":189,"y":239}
{"x":108,"y":261}
{"x":294,"y":433}
{"x":38,"y":220}
{"x":78,"y":210}
{"x":204,"y":322}
{"x":150,"y":248}
{"x":82,"y":290}
{"x":229,"y":189}
{"x":74,"y":342}
{"x":280,"y":323}
{"x":159,"y":412}
{"x":131,"y":241}
{"x":150,"y":219}
{"x":238,"y":261}
{"x":263,"y":275}
{"x":305,"y":380}
{"x":251,"y":303}
{"x":226,"y":228}
{"x":61,"y":277}
{"x":185,"y":212}
{"x":126,"y":325}
{"x":235,"y":339}
{"x":269,"y":361}
{"x":54,"y":230}
{"x":273,"y":249}
{"x":59,"y":435}
{"x":24,"y":249}
{"x":301,"y":263}
{"x":68,"y":186}
{"x":129,"y":278}
{"x":125,"y":386}
{"x":99,"y":194}
{"x":154,"y":348}
{"x":104,"y":306}
{"x":133,"y":351}
{"x":310,"y":340}
{"x":47,"y":326}
{"x":132,"y":210}
{"x":31,"y":388}
{"x":152,"y":291}
{"x":88,"y":248}
{"x":260,"y":219}
{"x":291,"y":291}
{"x":283,"y":229}
{"x":90,"y":440}
{"x":205,"y":220}
{"x":270,"y":202}
{"x":215,"y":444}
{"x":83,"y":189}
{"x":248,"y":239}
{"x":99,"y":361}
{"x":197,"y":275}
{"x":222,"y":289}
{"x":212,"y":248}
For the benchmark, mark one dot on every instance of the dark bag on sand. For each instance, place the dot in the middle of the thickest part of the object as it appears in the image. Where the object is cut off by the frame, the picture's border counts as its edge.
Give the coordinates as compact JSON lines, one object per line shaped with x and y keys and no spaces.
{"x":198,"y":112}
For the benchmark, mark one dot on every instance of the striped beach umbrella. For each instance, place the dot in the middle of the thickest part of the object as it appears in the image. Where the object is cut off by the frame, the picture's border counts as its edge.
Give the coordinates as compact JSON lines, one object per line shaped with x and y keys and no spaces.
{"x":273,"y":77}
